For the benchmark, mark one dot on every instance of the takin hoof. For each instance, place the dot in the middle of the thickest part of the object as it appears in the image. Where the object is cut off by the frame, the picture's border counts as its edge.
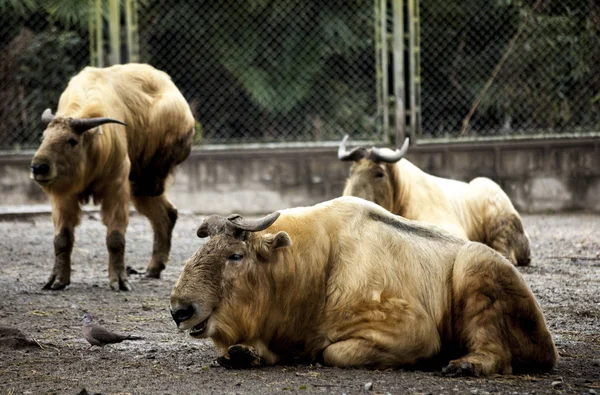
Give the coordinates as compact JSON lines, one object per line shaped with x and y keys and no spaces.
{"x":55,"y":284}
{"x":240,"y":357}
{"x":459,"y":369}
{"x":120,"y":285}
{"x":154,"y":271}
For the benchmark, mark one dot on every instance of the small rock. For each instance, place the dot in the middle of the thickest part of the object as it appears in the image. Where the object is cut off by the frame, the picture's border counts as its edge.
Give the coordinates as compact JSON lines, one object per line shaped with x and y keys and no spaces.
{"x":592,"y":392}
{"x":557,"y":384}
{"x":368,"y":386}
{"x":474,"y":391}
{"x":596,"y":362}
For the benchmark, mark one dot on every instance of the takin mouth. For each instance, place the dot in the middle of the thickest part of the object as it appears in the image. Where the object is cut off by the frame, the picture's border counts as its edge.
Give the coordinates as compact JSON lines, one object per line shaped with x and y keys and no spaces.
{"x":198,"y":330}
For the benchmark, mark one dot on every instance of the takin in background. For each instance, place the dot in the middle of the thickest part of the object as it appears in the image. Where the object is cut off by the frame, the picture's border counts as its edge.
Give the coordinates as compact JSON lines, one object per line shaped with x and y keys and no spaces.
{"x":477,"y":211}
{"x":117,"y":135}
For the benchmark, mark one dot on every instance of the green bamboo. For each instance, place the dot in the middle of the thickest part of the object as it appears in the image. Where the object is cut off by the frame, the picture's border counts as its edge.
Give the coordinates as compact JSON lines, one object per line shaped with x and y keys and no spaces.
{"x":412,"y":65}
{"x":91,"y":35}
{"x":132,"y":31}
{"x":399,"y":71}
{"x":99,"y":37}
{"x":378,"y":70}
{"x":114,"y":23}
{"x":384,"y":77}
{"x":417,"y":61}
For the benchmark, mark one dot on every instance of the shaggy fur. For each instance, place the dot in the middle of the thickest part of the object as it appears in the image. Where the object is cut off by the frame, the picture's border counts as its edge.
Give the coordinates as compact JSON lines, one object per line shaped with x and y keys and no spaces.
{"x":113,"y":164}
{"x":477,"y":211}
{"x":351,"y":284}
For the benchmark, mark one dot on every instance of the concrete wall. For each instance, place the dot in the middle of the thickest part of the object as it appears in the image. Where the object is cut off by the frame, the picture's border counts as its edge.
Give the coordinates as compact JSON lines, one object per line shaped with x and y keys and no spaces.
{"x":538,"y":175}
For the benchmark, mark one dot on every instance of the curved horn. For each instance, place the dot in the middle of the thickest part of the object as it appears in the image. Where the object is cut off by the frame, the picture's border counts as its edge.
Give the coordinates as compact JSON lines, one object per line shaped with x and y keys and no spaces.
{"x":234,"y":225}
{"x":47,"y":116}
{"x":353,"y":155}
{"x":211,"y":226}
{"x":252,"y":225}
{"x":387,"y":155}
{"x":81,"y":125}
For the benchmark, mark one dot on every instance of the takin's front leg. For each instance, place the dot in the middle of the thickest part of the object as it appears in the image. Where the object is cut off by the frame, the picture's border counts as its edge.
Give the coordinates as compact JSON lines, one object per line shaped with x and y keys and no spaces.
{"x":496,"y":318}
{"x":162,"y":215}
{"x":390,"y":333}
{"x":65,"y":215}
{"x":252,"y":354}
{"x":115,"y":215}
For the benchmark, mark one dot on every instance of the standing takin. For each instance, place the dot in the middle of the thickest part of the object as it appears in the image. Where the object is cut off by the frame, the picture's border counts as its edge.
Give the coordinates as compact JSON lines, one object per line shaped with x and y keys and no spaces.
{"x":477,"y":211}
{"x":348,"y":283}
{"x":117,"y":135}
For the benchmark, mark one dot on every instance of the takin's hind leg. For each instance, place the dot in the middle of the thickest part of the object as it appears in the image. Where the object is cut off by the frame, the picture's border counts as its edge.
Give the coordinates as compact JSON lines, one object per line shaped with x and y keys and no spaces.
{"x":386,"y":333}
{"x":162,"y":215}
{"x":497,"y":319}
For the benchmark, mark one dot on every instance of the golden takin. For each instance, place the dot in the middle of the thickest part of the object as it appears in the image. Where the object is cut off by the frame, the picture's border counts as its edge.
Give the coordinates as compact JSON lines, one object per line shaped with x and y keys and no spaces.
{"x":117,"y":135}
{"x":477,"y":211}
{"x":348,"y":283}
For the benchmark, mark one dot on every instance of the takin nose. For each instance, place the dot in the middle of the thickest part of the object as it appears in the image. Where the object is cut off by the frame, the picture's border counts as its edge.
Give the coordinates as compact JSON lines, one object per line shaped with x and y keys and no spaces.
{"x":182,"y":314}
{"x":40,"y":169}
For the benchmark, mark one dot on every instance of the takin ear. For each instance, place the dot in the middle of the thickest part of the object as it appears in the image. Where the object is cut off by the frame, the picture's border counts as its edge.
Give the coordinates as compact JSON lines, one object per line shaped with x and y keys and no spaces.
{"x":271,"y":242}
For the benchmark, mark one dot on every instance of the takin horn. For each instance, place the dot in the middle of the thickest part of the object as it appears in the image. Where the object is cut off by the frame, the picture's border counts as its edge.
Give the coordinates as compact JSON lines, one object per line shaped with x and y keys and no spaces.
{"x":81,"y":125}
{"x":234,"y":225}
{"x":353,"y":155}
{"x":253,"y":225}
{"x":387,"y":155}
{"x":47,"y":116}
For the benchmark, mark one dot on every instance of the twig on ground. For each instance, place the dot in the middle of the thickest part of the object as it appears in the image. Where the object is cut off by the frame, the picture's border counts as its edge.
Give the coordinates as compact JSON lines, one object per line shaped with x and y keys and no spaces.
{"x":583,"y":258}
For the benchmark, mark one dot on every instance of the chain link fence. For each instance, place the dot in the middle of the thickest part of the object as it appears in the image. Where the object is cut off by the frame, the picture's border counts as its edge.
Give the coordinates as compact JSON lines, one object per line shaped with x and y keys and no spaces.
{"x":252,"y":71}
{"x":39,"y":55}
{"x":522,"y":67}
{"x":305,"y":70}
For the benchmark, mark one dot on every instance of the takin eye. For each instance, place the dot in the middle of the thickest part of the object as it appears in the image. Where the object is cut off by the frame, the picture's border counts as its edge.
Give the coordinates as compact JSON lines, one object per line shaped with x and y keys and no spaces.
{"x":73,"y":142}
{"x":379,"y":174}
{"x":235,"y":257}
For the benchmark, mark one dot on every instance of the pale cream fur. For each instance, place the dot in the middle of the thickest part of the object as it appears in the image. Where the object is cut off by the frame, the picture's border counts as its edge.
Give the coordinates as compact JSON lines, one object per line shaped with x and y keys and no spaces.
{"x":477,"y":211}
{"x":359,"y":286}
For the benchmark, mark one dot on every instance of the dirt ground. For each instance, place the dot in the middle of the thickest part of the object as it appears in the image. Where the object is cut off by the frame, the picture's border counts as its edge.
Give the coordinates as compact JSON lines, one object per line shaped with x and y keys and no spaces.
{"x":564,"y":275}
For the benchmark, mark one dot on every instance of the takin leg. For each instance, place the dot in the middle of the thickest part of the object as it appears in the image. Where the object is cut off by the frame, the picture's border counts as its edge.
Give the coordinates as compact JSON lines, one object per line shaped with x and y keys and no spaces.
{"x":251,"y":354}
{"x":496,"y":318}
{"x":65,"y":215}
{"x":115,"y":215}
{"x":162,"y":215}
{"x":390,"y":333}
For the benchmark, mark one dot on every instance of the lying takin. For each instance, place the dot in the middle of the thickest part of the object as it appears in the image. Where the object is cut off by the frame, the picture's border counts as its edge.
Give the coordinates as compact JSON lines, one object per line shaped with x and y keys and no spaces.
{"x":477,"y":211}
{"x":117,"y":135}
{"x":349,"y":284}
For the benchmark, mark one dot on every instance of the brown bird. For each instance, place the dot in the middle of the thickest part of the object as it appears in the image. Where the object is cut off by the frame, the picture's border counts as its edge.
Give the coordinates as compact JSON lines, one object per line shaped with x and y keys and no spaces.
{"x":98,"y":336}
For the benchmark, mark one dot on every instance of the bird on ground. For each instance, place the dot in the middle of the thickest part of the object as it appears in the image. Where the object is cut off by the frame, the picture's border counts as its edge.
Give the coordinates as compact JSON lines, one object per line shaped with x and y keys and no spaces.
{"x":98,"y":336}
